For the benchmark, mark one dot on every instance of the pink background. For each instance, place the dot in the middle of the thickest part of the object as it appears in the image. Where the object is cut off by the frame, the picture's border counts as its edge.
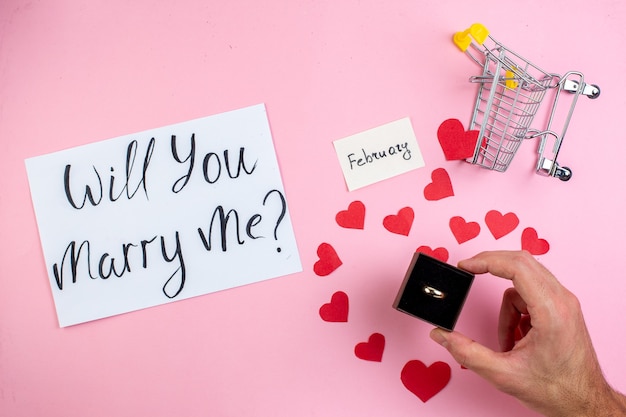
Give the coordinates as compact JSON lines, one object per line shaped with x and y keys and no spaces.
{"x":75,"y":72}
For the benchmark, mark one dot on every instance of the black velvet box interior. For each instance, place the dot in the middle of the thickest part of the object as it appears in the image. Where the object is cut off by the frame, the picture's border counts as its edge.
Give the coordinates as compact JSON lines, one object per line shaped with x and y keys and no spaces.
{"x":433,"y":291}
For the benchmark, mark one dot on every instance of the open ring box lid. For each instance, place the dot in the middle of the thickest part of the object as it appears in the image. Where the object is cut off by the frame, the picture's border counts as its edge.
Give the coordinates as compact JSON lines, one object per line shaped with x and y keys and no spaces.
{"x":433,"y":291}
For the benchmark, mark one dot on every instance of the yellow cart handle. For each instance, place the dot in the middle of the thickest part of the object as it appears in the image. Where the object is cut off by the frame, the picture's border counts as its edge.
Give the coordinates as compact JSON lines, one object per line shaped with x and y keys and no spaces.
{"x":463,"y":39}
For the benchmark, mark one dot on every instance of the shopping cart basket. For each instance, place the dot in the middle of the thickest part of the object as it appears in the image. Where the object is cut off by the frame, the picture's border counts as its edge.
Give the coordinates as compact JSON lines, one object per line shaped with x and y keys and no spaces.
{"x":510,"y":93}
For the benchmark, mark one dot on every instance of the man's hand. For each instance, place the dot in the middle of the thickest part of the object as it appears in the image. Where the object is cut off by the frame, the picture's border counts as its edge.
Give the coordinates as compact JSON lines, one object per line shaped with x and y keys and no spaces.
{"x":547,"y":359}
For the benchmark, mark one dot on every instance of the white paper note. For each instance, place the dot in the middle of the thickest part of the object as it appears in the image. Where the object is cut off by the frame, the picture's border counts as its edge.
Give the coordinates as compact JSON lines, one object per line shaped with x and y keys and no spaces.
{"x":162,"y":215}
{"x":378,"y":154}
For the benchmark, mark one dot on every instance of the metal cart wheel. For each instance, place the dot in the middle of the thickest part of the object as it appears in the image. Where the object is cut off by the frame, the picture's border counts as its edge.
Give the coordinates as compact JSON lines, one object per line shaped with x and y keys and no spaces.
{"x":596,"y":94}
{"x":564,"y":173}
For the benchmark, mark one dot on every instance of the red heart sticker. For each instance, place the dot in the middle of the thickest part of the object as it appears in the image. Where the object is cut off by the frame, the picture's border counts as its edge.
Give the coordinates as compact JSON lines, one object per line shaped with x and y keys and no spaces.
{"x":328,"y":260}
{"x":501,"y":225}
{"x":423,"y":381}
{"x":400,"y":223}
{"x":462,"y":230}
{"x":441,"y":187}
{"x":372,"y":350}
{"x":532,"y":243}
{"x":438,"y":253}
{"x":455,"y":142}
{"x":353,"y":217}
{"x":337,"y":310}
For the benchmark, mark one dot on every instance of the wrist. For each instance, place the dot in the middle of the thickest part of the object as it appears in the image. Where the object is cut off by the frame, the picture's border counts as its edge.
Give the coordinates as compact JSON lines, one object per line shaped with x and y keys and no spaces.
{"x":602,"y":402}
{"x":620,"y":403}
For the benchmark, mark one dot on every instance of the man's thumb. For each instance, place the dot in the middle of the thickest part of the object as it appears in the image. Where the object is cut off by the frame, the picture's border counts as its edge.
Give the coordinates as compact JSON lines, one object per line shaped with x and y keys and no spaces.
{"x":467,"y":353}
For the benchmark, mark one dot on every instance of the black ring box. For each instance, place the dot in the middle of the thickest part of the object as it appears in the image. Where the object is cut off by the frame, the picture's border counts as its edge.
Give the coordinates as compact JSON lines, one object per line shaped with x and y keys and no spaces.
{"x":426,"y":280}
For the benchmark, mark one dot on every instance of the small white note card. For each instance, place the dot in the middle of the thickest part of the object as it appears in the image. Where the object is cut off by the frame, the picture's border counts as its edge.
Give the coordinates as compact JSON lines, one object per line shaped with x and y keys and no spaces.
{"x":378,"y":154}
{"x":162,"y":215}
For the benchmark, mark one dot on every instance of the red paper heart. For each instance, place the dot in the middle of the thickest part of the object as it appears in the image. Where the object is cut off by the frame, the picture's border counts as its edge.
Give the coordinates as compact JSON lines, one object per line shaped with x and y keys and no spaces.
{"x":328,"y":260}
{"x":337,"y":310}
{"x":441,"y":187}
{"x":400,"y":223}
{"x":439,"y":253}
{"x":501,"y":225}
{"x":372,"y":350}
{"x":425,"y":382}
{"x":462,"y":230}
{"x":532,"y":243}
{"x":455,"y":142}
{"x":353,"y":217}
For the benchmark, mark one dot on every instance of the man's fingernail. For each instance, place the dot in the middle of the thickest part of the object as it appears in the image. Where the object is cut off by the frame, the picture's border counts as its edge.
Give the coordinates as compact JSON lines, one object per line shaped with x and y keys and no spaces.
{"x":439,"y":336}
{"x":465,"y":262}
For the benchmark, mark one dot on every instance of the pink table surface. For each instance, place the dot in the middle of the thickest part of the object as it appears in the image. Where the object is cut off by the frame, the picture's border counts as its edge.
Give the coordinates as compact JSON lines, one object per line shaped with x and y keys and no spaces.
{"x":75,"y":72}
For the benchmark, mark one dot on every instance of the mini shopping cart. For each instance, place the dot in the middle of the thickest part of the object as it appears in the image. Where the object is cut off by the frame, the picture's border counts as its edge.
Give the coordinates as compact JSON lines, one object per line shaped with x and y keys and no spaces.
{"x":510,"y":93}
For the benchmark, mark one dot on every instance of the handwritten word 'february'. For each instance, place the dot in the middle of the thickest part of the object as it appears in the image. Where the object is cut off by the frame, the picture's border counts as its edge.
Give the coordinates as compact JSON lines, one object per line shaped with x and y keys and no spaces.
{"x":378,"y":154}
{"x":401,"y":149}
